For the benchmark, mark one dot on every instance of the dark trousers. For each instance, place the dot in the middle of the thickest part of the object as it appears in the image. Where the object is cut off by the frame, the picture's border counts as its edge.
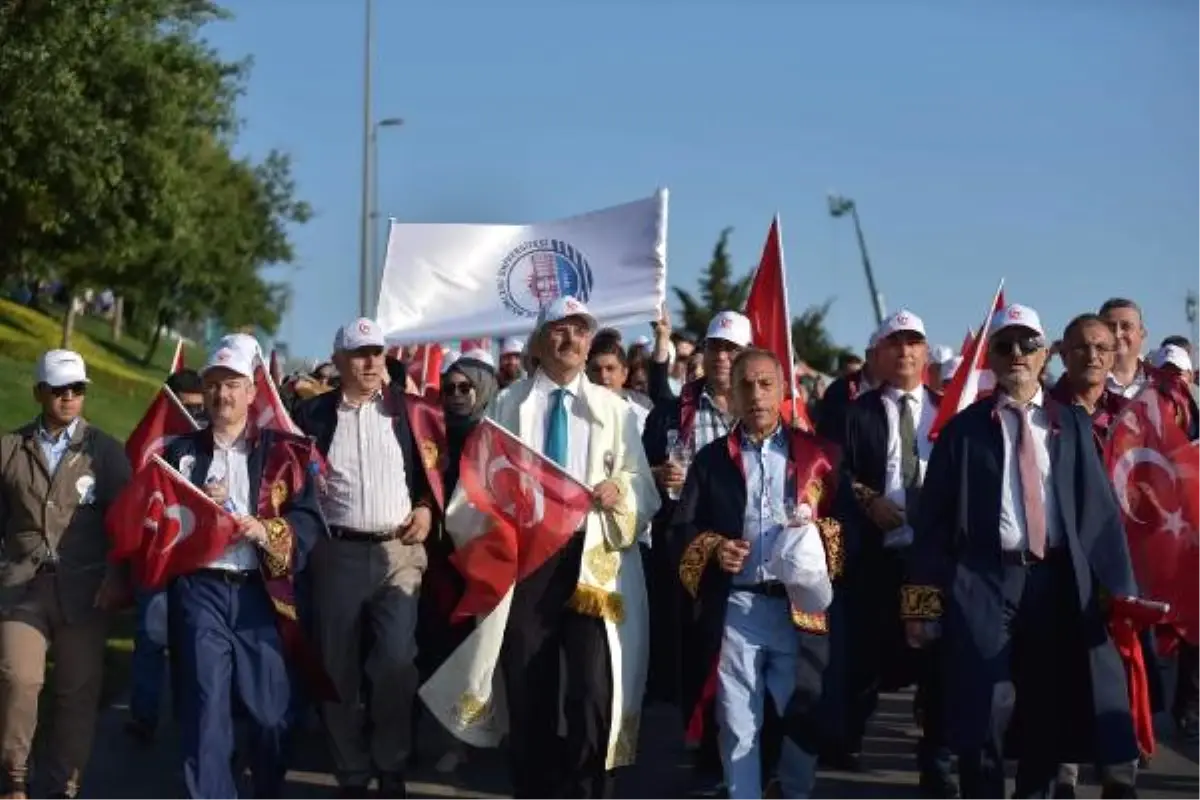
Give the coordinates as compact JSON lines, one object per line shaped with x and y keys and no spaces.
{"x":1186,"y":703}
{"x":1038,"y":614}
{"x":544,"y":644}
{"x":229,"y":649}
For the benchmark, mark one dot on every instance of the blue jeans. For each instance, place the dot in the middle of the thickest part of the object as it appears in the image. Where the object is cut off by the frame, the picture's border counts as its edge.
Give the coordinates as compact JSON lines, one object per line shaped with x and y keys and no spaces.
{"x":759,"y":654}
{"x":147,"y":668}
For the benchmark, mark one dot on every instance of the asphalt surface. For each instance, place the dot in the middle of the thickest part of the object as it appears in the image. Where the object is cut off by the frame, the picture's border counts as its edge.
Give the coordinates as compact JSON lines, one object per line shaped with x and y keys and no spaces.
{"x":122,"y":767}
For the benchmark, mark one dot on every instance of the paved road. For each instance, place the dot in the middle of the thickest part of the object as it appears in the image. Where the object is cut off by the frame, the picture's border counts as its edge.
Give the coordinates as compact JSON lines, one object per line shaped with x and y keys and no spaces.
{"x":121,"y":768}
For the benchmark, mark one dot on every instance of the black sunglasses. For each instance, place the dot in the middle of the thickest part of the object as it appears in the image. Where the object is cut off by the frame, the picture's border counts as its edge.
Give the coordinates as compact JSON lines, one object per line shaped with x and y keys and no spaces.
{"x":457,"y":387}
{"x":1025,"y":345}
{"x":75,"y":389}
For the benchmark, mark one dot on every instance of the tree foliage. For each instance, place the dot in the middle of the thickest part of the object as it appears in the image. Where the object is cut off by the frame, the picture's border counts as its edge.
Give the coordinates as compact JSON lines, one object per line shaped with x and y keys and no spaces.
{"x":720,"y":291}
{"x":116,"y":167}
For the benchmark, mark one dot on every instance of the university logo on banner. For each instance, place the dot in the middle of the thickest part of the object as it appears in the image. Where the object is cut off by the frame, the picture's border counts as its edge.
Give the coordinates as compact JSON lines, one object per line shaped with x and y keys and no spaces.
{"x":538,"y":272}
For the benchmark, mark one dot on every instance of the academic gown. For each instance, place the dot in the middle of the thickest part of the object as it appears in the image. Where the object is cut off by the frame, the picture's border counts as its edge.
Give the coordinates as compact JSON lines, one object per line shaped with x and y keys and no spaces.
{"x":874,"y":574}
{"x":712,"y":508}
{"x":954,"y":575}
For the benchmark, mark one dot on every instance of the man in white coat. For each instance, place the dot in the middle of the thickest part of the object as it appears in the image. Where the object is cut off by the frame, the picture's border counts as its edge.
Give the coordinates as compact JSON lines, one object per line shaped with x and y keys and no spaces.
{"x":569,"y":643}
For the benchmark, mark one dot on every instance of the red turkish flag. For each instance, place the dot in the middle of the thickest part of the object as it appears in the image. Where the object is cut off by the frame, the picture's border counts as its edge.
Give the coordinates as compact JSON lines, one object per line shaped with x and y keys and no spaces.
{"x":1154,"y":470}
{"x":425,"y":367}
{"x":963,"y":388}
{"x":165,"y":526}
{"x":165,"y":419}
{"x":467,"y":345}
{"x":534,"y":507}
{"x":268,"y":411}
{"x":771,"y":320}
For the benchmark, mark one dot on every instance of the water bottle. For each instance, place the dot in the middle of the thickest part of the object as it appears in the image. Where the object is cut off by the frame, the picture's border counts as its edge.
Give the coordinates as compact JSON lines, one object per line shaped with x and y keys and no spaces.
{"x":677,"y":453}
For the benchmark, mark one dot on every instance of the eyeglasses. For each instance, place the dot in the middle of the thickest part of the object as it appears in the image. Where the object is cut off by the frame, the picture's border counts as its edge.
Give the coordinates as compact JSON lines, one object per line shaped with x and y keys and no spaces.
{"x":1024,"y":345}
{"x":75,"y":389}
{"x":457,"y":387}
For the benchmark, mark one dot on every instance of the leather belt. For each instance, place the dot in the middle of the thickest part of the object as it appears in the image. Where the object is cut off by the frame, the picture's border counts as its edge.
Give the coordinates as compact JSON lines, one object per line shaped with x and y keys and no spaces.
{"x":1024,"y":558}
{"x":231,"y":576}
{"x":768,"y":589}
{"x":352,"y":535}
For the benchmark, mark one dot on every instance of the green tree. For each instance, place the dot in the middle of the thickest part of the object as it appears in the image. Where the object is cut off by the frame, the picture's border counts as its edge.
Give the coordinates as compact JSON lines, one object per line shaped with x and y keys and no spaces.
{"x":115,"y":162}
{"x":719,"y":291}
{"x":812,"y":342}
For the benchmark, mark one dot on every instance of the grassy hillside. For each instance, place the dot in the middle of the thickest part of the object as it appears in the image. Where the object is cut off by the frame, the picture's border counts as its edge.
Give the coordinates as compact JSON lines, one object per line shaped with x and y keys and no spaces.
{"x":121,"y":386}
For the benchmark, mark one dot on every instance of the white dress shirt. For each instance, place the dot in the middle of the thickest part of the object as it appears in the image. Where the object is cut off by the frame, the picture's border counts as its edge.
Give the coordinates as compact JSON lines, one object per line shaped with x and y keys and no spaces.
{"x":1135,"y":385}
{"x":579,"y":427}
{"x":230,"y":466}
{"x":1013,"y":530}
{"x":367,"y":487}
{"x":923,"y":411}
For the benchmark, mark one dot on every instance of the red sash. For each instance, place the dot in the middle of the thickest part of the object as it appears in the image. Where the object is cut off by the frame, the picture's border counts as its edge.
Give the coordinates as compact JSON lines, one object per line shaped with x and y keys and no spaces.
{"x":284,"y":472}
{"x":428,"y":426}
{"x":689,"y":405}
{"x":812,"y":476}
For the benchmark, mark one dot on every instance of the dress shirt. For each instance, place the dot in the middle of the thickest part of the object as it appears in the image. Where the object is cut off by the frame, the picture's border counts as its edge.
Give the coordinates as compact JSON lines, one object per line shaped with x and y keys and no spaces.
{"x":579,"y":426}
{"x":367,"y":485}
{"x":765,"y":466}
{"x":1013,"y":534}
{"x":923,"y":411}
{"x":230,"y":465}
{"x":55,"y":447}
{"x":1134,"y":386}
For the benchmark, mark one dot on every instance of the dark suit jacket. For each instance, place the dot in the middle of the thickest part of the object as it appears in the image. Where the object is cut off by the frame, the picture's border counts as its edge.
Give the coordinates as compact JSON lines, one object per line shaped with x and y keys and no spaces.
{"x":317,"y":417}
{"x":954,"y":572}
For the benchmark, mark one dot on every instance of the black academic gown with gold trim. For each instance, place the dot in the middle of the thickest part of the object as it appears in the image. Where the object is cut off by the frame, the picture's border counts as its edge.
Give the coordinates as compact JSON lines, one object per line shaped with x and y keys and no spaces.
{"x":954,"y":575}
{"x":711,"y":509}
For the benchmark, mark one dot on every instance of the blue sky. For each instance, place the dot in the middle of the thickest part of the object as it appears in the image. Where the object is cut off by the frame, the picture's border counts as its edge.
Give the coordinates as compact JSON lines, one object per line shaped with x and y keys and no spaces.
{"x":1052,"y":143}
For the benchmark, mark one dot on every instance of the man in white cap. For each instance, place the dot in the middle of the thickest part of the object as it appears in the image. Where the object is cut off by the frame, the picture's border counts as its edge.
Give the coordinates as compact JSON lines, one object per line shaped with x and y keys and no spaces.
{"x":1007,"y":570}
{"x":510,"y":370}
{"x":58,"y":476}
{"x":885,"y":451}
{"x":763,"y":626}
{"x":577,"y":627}
{"x":229,"y":617}
{"x":380,"y":500}
{"x":677,"y":429}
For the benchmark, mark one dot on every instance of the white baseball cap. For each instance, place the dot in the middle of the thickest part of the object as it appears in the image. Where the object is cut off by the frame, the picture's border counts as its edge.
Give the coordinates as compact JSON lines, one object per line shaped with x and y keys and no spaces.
{"x":641,"y":341}
{"x":363,"y":332}
{"x":948,"y":368}
{"x":1016,"y":316}
{"x":482,"y":356}
{"x":903,"y":321}
{"x":233,"y":359}
{"x":1174,"y":355}
{"x":448,"y":359}
{"x":731,"y":327}
{"x":61,"y":368}
{"x":798,"y":561}
{"x":562,"y":308}
{"x":243,"y":342}
{"x":941,"y":354}
{"x":512,"y":346}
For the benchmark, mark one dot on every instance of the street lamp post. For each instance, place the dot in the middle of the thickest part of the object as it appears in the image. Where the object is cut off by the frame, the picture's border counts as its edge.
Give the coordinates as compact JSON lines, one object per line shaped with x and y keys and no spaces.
{"x":376,"y":270}
{"x":1190,"y":308}
{"x":364,"y":244}
{"x":838,"y":206}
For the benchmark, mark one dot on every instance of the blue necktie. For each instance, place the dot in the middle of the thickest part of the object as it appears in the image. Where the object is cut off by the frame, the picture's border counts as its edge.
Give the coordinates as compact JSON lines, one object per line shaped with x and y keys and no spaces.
{"x":555,"y":448}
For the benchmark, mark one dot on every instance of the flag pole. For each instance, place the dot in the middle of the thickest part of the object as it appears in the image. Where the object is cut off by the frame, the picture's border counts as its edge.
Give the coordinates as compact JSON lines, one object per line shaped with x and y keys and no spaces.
{"x":787,"y":315}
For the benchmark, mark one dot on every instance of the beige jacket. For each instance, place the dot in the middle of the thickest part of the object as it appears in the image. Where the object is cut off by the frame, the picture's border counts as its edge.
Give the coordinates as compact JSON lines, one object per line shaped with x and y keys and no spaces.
{"x":59,"y":517}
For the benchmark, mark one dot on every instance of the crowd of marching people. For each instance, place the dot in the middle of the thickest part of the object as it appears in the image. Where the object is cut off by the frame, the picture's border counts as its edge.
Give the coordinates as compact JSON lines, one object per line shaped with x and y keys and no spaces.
{"x":766,"y":558}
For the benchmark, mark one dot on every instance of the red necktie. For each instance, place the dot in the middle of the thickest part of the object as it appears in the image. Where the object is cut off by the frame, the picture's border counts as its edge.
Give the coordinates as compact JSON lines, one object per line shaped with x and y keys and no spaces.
{"x":1031,"y":484}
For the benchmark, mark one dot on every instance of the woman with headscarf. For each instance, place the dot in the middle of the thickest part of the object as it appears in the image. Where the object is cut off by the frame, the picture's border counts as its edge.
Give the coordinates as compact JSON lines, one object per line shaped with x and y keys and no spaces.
{"x":468,"y":385}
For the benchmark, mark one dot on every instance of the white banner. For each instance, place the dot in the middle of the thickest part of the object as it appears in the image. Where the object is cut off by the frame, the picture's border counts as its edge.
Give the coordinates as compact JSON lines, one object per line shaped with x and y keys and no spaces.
{"x":450,"y":281}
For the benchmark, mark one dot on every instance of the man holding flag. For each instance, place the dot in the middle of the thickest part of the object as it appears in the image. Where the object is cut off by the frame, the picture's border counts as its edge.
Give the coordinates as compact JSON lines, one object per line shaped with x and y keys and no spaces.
{"x":579,"y":618}
{"x":234,"y":620}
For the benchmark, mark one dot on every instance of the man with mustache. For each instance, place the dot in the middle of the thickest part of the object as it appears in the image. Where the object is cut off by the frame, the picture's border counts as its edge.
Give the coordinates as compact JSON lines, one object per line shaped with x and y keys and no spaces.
{"x":575,"y":636}
{"x":1006,"y":572}
{"x":758,"y":548}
